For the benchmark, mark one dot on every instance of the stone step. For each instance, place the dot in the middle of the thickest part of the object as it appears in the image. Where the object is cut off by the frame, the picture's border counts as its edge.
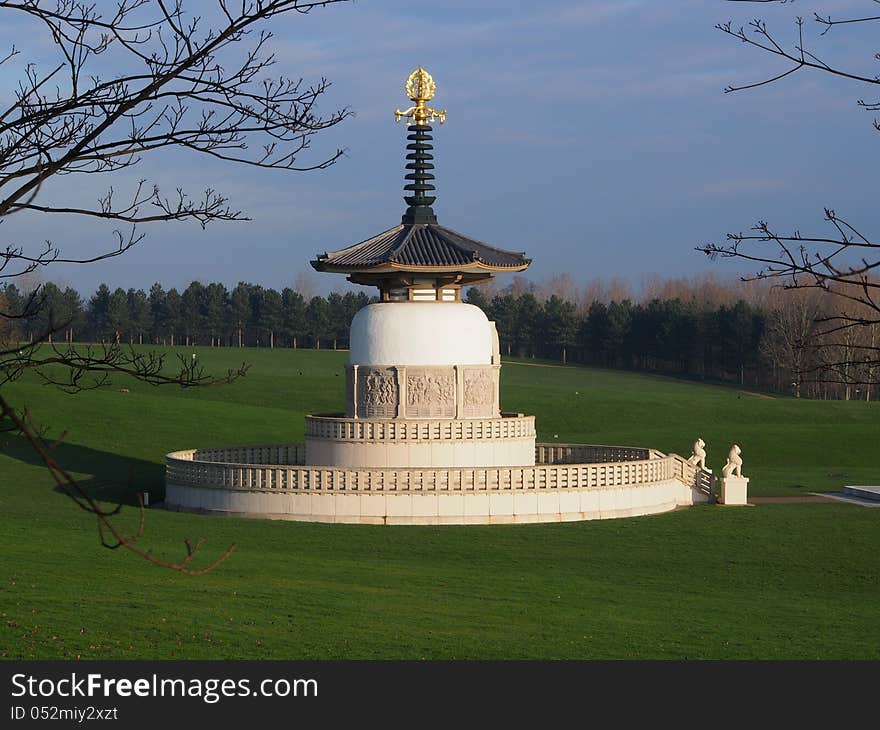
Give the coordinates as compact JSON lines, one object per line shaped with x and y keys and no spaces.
{"x":872,"y":493}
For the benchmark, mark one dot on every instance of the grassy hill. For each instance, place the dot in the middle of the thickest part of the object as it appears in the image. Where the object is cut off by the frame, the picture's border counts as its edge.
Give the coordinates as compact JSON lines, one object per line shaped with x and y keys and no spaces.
{"x":795,"y":580}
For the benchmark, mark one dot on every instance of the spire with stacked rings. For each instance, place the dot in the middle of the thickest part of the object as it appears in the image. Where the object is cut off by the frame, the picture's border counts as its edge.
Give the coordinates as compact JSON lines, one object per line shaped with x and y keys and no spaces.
{"x":420,"y":88}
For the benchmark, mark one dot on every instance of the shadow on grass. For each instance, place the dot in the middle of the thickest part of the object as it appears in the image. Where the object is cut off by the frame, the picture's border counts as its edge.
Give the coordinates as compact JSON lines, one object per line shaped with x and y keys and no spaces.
{"x":113,"y":477}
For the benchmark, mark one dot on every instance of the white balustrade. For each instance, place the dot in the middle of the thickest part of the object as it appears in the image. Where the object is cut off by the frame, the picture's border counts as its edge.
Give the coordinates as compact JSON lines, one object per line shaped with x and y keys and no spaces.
{"x":279,"y":468}
{"x":391,"y":431}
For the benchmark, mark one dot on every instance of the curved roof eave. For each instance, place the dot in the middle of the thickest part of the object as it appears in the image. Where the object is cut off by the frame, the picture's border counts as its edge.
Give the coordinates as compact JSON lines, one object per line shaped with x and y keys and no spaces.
{"x":421,"y":246}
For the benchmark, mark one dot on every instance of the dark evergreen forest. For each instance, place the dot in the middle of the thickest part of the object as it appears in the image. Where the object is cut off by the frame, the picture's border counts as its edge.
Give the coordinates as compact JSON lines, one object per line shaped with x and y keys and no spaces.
{"x":757,"y":344}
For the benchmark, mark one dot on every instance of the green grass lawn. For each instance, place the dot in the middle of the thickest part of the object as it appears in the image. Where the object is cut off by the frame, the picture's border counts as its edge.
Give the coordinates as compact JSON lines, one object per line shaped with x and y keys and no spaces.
{"x":774,"y":581}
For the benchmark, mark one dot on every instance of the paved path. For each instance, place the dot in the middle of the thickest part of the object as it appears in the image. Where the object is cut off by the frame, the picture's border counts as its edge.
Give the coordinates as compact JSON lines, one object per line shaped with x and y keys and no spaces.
{"x":790,"y":500}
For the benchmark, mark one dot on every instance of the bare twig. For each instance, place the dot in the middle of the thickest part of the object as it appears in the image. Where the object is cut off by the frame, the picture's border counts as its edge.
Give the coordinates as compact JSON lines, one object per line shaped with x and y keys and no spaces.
{"x":198,"y":86}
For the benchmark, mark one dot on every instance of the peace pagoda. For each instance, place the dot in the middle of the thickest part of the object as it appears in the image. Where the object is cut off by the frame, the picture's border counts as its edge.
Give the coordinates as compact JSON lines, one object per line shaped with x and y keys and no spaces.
{"x":423,"y":439}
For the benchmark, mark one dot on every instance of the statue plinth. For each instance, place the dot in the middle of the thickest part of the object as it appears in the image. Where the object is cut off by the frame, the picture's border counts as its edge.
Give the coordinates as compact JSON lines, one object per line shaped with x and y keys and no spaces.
{"x":734,"y":490}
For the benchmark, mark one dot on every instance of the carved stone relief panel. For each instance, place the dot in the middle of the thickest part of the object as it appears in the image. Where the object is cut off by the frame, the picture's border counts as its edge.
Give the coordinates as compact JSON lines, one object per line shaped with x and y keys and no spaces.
{"x":377,"y":395}
{"x":479,"y":392}
{"x":430,"y":393}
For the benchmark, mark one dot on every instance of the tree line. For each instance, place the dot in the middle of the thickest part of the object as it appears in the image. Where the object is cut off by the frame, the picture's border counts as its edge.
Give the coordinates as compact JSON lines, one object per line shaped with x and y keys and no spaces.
{"x":247,"y":316}
{"x":754,"y":336}
{"x":666,"y":335}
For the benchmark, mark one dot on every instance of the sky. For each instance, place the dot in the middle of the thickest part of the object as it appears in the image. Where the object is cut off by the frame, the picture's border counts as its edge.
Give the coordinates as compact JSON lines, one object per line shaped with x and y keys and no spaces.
{"x":595,"y":136}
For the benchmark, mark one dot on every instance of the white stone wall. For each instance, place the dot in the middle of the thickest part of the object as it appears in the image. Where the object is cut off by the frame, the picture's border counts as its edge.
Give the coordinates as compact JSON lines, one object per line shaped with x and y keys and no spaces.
{"x":421,"y":454}
{"x":430,"y":444}
{"x":413,"y":508}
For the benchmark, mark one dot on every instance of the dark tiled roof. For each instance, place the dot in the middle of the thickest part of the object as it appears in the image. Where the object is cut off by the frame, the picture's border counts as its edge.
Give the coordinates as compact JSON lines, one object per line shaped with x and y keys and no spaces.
{"x":420,"y":245}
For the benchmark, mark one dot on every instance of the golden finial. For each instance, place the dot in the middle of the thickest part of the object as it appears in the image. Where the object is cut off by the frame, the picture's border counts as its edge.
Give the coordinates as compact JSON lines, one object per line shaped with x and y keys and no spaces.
{"x":420,"y":88}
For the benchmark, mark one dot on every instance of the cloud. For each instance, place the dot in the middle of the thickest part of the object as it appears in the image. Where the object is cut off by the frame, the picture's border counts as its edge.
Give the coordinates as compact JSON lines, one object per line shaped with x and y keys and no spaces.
{"x":554,"y":107}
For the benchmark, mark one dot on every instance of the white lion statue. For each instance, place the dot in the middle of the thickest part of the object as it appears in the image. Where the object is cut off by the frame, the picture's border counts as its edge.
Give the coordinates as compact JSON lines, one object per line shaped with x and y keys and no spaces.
{"x":734,"y":463}
{"x":698,"y":458}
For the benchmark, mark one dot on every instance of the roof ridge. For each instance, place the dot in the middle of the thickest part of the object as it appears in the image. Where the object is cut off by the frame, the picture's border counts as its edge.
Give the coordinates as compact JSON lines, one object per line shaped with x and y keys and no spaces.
{"x":470,"y":252}
{"x":462,"y":236}
{"x":328,"y":254}
{"x":404,"y":241}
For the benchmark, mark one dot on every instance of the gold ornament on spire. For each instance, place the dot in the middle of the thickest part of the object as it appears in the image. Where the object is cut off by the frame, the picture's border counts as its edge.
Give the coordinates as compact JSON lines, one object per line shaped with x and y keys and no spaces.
{"x":420,"y":88}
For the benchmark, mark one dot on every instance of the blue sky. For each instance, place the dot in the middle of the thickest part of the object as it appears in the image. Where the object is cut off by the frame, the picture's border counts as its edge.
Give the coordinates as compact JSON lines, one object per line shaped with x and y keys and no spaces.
{"x":595,"y":136}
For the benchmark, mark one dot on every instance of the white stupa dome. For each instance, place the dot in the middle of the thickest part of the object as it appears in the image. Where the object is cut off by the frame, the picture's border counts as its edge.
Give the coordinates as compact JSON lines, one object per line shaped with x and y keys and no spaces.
{"x":421,"y":333}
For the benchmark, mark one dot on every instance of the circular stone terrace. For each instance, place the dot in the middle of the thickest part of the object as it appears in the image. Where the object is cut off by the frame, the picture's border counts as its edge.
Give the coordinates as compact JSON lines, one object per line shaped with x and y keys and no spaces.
{"x":567,"y":482}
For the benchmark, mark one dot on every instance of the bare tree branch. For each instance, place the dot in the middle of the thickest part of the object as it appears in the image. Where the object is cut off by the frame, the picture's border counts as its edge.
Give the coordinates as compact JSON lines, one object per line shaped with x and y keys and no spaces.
{"x":197,"y":85}
{"x":762,"y":39}
{"x":842,"y":266}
